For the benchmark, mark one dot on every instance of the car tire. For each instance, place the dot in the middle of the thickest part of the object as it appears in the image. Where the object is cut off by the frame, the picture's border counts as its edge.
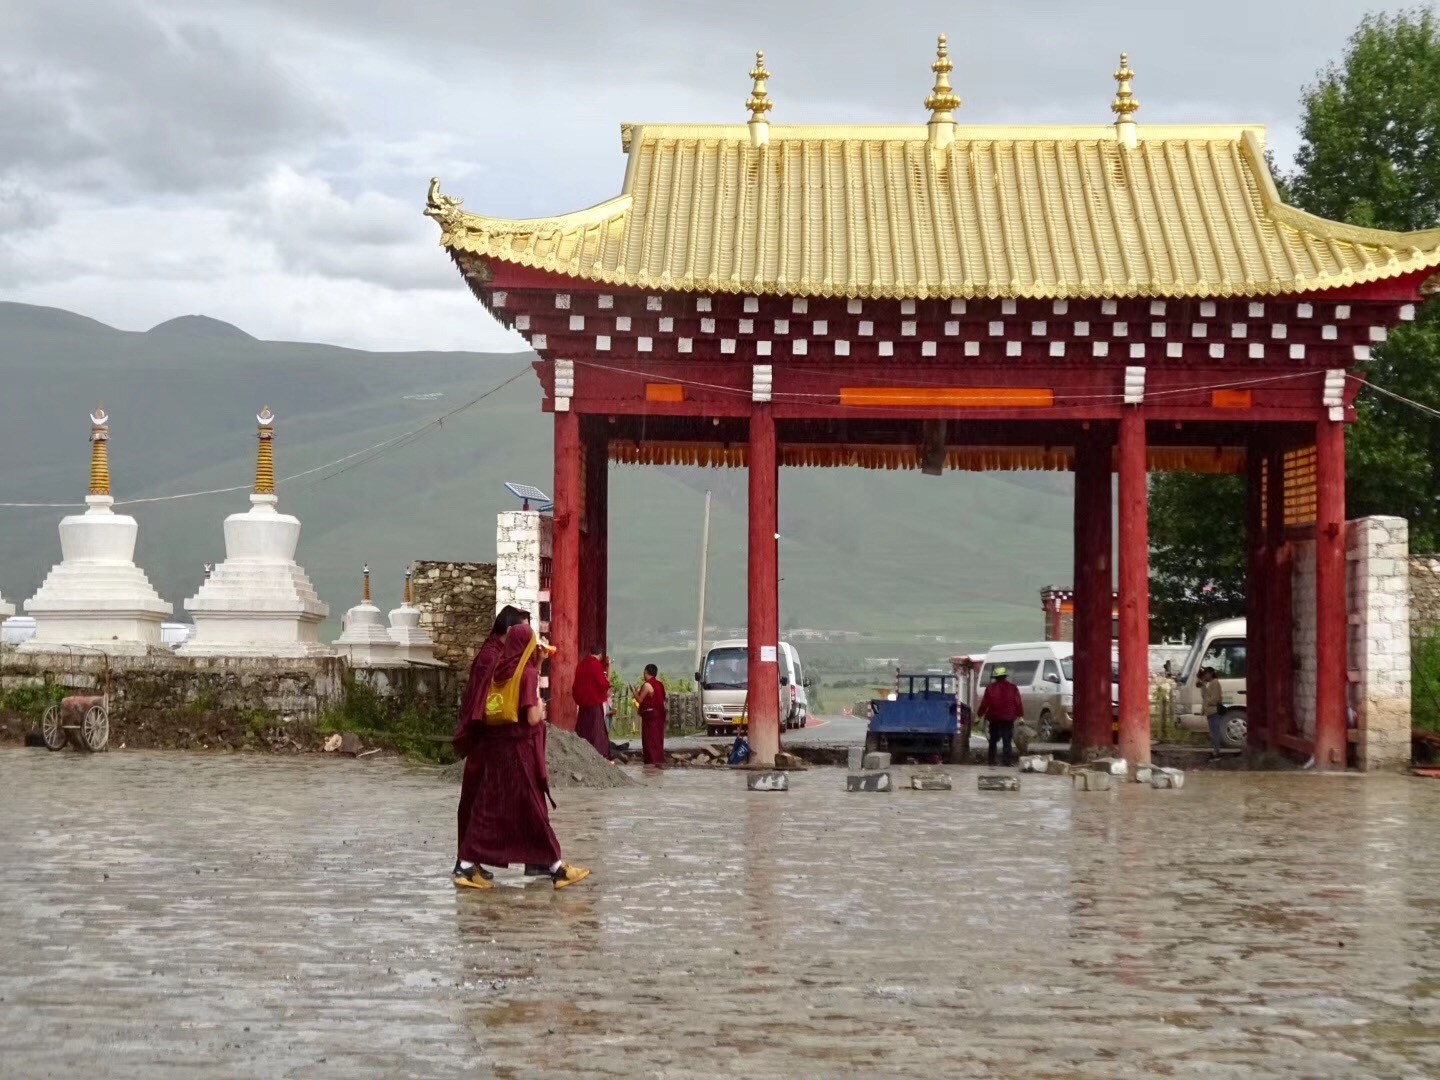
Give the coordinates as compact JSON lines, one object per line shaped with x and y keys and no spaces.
{"x":1234,"y":727}
{"x":1045,"y":727}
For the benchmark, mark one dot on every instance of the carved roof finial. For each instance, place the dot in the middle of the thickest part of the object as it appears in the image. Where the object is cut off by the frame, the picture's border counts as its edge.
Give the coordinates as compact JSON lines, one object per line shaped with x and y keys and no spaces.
{"x":1124,"y":105}
{"x":99,"y":453}
{"x":942,"y":101}
{"x":365,"y":596}
{"x":265,"y":453}
{"x":759,"y":102}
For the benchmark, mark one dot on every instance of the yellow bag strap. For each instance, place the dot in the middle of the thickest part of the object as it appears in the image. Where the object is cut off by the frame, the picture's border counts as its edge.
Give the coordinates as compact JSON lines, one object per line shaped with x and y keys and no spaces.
{"x":524,"y":660}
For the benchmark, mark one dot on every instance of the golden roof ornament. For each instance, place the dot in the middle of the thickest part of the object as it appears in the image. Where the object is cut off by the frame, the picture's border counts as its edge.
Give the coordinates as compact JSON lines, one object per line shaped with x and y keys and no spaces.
{"x":1124,"y":105}
{"x":445,"y":209}
{"x":99,"y":453}
{"x":408,"y":595}
{"x":265,"y":454}
{"x":759,"y":102}
{"x":942,"y":101}
{"x":365,"y":595}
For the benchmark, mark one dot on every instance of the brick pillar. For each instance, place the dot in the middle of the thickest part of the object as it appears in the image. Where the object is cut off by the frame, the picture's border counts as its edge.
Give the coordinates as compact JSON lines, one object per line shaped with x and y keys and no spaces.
{"x":1378,"y":550}
{"x":1134,"y":591}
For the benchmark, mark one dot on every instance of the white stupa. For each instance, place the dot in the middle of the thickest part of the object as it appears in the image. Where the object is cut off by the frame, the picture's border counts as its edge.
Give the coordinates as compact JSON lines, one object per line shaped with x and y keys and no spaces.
{"x":412,"y":643}
{"x":365,"y":640}
{"x":97,"y":599}
{"x":258,"y":602}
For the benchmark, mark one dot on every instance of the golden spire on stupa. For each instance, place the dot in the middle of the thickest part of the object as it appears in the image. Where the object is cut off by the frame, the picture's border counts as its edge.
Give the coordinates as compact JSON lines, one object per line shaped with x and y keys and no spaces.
{"x":942,"y":101}
{"x":1124,"y":105}
{"x":759,"y":102}
{"x":408,"y":595}
{"x":265,"y":453}
{"x":99,"y":453}
{"x":365,"y":596}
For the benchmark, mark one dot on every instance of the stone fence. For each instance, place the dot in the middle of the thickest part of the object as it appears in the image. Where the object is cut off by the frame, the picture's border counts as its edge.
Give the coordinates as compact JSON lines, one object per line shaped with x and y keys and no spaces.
{"x":457,"y":607}
{"x":165,"y":701}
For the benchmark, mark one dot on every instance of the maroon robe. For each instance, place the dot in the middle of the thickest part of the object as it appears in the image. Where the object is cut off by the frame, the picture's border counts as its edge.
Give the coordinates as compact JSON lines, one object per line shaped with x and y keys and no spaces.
{"x":467,"y":731}
{"x":510,"y":821}
{"x":652,"y":724}
{"x":592,"y":687}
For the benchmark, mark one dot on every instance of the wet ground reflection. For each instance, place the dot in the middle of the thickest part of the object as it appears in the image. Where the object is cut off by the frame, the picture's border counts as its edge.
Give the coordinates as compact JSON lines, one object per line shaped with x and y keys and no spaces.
{"x":185,"y":916}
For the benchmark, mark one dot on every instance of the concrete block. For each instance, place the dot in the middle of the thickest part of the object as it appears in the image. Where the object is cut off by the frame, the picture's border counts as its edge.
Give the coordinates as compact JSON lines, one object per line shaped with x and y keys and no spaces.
{"x":1037,"y":763}
{"x":1113,"y":766}
{"x":1090,"y":780}
{"x":879,"y":781}
{"x":1057,"y":768}
{"x":999,"y":783}
{"x":1167,"y":778}
{"x":1141,"y":774}
{"x":767,"y":781}
{"x":875,"y":761}
{"x":931,"y":782}
{"x":856,"y":758}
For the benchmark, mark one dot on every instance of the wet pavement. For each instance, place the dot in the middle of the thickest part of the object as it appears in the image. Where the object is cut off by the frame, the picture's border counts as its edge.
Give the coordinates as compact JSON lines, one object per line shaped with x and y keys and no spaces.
{"x":175,"y":915}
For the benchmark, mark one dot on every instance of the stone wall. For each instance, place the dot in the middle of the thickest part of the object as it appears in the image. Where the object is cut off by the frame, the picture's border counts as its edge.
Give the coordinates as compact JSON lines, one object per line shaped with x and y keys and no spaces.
{"x":457,"y":607}
{"x":170,"y":702}
{"x":1377,"y":550}
{"x":522,"y":548}
{"x":1424,"y":594}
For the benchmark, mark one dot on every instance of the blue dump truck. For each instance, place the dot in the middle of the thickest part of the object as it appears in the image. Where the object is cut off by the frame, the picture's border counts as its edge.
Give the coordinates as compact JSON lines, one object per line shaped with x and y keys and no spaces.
{"x":920,"y":719}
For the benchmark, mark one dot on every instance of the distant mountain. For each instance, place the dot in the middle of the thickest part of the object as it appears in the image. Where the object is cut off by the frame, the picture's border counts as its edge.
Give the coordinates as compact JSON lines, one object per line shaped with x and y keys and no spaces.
{"x":891,"y":554}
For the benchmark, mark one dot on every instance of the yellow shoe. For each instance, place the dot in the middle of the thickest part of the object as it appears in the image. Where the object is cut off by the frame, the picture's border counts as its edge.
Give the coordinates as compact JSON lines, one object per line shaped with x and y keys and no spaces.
{"x":568,"y":875}
{"x":473,"y":878}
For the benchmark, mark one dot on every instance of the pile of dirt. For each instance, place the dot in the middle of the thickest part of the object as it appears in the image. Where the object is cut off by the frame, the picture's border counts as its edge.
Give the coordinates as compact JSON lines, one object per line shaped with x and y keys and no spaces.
{"x":572,"y":762}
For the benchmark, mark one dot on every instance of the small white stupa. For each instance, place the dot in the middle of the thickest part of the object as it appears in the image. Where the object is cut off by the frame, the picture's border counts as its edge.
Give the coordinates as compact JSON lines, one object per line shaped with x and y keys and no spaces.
{"x":412,"y":643}
{"x":258,"y":602}
{"x":97,"y":599}
{"x":365,"y":641}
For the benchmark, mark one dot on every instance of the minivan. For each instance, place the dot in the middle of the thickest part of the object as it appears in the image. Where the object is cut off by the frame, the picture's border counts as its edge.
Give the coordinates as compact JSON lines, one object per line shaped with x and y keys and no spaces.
{"x":1044,"y":673}
{"x":1220,"y":645}
{"x":724,"y":681}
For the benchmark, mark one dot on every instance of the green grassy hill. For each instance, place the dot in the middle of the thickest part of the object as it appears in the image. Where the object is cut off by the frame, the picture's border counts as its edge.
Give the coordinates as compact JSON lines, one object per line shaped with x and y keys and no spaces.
{"x":893,"y":555}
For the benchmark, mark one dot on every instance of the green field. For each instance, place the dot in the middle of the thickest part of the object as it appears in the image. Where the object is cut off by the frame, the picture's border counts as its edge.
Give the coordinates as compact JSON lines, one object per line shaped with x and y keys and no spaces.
{"x":898,"y":557}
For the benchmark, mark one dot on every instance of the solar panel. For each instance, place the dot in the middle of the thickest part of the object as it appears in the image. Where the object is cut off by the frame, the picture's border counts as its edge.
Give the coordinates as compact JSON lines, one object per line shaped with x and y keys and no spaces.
{"x":528,"y":492}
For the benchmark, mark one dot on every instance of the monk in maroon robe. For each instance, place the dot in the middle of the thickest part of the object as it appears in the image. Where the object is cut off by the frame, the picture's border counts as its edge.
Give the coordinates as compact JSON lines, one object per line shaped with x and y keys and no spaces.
{"x":510,"y":821}
{"x":472,"y":714}
{"x":651,"y":703}
{"x":592,"y":687}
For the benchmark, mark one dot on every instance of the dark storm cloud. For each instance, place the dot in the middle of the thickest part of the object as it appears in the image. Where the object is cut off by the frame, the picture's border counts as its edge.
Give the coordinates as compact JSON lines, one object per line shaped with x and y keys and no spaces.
{"x":112,"y":95}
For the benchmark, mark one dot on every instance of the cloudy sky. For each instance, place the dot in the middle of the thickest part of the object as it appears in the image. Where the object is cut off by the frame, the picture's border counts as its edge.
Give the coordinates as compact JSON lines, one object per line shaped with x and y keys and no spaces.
{"x":265,"y":161}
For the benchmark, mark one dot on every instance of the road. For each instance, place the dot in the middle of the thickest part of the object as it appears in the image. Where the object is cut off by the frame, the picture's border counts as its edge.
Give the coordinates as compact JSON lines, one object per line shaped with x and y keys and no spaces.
{"x":829,"y":730}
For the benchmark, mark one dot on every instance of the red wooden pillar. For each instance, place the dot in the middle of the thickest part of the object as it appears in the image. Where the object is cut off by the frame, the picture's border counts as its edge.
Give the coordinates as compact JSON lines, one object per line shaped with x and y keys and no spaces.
{"x":1258,"y":713}
{"x":1279,"y":622}
{"x":594,"y":562}
{"x":565,"y":571}
{"x":763,"y":699}
{"x":1330,"y":614}
{"x":1094,"y":593}
{"x":1134,"y":591}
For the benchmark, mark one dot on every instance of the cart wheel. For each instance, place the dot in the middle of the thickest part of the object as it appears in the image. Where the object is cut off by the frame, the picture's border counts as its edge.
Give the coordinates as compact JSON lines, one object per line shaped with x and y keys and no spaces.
{"x":95,"y":730}
{"x":50,"y":729}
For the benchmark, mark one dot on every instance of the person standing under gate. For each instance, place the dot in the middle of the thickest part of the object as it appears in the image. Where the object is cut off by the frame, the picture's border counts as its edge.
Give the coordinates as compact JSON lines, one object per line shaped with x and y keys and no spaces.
{"x":650,"y":703}
{"x":1213,"y":702}
{"x":592,"y":687}
{"x":510,"y":822}
{"x":1000,"y":708}
{"x":472,"y":716}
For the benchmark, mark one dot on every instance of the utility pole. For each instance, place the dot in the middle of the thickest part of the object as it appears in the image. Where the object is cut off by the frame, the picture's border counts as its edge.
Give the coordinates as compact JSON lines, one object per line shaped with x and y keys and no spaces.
{"x":704,"y":573}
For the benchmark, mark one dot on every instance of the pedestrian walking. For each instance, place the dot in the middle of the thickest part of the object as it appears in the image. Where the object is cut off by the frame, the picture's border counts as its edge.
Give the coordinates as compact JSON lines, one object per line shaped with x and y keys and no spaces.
{"x":510,"y":821}
{"x":1000,"y":707}
{"x":650,"y":704}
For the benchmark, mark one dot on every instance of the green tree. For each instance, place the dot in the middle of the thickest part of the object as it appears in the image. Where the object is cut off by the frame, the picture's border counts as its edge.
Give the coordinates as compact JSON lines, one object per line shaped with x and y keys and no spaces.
{"x":1369,"y":156}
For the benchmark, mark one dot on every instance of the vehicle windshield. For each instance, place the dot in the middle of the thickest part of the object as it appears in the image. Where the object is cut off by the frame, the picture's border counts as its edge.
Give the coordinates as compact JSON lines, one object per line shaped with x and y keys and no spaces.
{"x":1192,"y":659}
{"x":726,"y":669}
{"x":1067,"y":668}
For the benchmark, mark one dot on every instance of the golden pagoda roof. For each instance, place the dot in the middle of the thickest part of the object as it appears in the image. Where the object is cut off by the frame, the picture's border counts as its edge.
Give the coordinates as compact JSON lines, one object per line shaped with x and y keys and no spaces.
{"x":1040,"y":212}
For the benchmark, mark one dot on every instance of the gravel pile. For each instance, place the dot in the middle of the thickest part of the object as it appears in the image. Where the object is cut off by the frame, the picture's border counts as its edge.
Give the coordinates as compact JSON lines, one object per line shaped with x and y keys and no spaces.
{"x":573,"y":763}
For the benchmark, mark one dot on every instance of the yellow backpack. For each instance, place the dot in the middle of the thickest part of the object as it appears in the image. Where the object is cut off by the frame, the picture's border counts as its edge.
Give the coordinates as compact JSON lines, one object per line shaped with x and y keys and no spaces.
{"x":502,"y":704}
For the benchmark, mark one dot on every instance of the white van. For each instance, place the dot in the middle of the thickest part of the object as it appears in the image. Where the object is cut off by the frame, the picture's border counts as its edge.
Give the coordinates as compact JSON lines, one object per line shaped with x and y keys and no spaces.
{"x":1044,"y":673}
{"x":1220,"y":645}
{"x":724,"y":682}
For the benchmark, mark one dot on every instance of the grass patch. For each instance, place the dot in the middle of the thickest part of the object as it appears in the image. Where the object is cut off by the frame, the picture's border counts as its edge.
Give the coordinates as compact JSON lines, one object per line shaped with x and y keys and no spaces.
{"x":410,"y":726}
{"x":31,"y":701}
{"x":1425,"y":681}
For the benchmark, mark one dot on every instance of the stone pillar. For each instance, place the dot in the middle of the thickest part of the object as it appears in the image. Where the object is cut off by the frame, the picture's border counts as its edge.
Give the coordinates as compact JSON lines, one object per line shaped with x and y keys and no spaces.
{"x":1377,"y":552}
{"x":523,"y":542}
{"x":1134,"y":590}
{"x":1331,"y":663}
{"x":763,"y":634}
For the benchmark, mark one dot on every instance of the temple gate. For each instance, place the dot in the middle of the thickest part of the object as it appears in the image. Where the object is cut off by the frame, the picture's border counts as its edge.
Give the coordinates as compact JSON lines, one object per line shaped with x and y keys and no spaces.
{"x":1107,"y":299}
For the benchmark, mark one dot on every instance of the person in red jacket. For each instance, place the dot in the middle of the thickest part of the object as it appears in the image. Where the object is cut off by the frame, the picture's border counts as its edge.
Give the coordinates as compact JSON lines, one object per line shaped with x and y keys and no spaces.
{"x":592,"y":687}
{"x":1000,"y":708}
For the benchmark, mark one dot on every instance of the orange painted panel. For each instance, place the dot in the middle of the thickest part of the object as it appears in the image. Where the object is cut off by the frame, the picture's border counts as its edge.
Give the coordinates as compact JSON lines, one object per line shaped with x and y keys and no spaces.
{"x":1230,"y":399}
{"x":971,"y":397}
{"x":664,"y":392}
